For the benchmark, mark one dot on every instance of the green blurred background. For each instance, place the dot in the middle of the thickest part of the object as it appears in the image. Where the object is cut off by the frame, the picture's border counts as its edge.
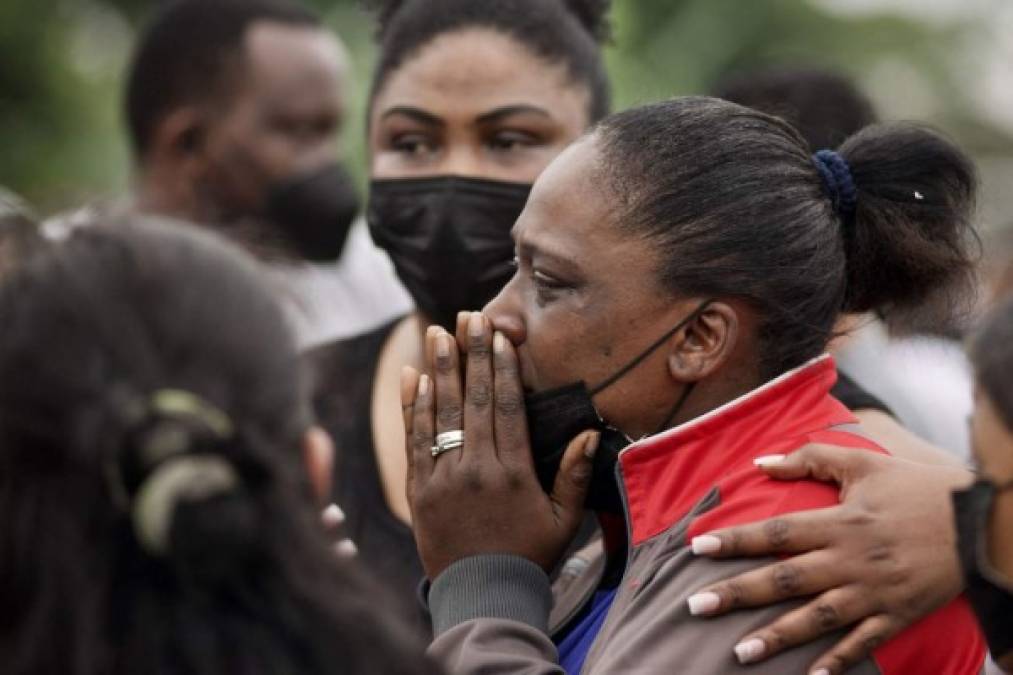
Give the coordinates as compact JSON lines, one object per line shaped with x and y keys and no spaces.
{"x":949,"y":62}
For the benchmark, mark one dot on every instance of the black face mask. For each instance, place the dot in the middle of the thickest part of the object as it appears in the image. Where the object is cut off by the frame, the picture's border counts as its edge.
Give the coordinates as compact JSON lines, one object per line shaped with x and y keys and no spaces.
{"x":555,"y":417}
{"x":991,"y":599}
{"x":449,"y":239}
{"x":314,"y":211}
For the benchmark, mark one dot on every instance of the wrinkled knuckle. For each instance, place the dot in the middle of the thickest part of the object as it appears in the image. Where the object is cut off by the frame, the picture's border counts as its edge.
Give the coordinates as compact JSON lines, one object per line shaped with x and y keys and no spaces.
{"x":423,"y":501}
{"x":421,"y":439}
{"x":839,"y":662}
{"x":509,"y":404}
{"x":473,"y":479}
{"x":734,"y":594}
{"x":776,"y":640}
{"x":513,"y":478}
{"x":872,"y":641}
{"x":776,"y":531}
{"x":444,"y":363}
{"x":879,"y":553}
{"x":480,"y":394}
{"x":449,"y":415}
{"x":503,"y":365}
{"x":477,"y":347}
{"x":826,"y":617}
{"x":732,"y":542}
{"x":787,"y":580}
{"x":898,"y":576}
{"x":859,"y":518}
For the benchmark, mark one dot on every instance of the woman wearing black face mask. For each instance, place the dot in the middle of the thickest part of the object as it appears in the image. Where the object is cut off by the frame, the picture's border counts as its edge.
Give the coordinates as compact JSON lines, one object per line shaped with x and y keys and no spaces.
{"x":984,"y":512}
{"x":470,"y":102}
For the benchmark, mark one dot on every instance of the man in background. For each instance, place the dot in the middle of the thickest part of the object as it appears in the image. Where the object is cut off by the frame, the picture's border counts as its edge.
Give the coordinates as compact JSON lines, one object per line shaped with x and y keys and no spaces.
{"x":234,"y":110}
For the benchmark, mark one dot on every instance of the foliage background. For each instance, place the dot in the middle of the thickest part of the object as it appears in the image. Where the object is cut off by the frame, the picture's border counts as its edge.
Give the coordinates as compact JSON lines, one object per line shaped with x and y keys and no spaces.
{"x":948,"y":62}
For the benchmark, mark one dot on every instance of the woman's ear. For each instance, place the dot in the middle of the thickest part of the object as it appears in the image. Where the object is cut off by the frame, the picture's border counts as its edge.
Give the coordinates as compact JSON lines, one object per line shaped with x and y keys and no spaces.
{"x":705,"y":344}
{"x":318,"y":454}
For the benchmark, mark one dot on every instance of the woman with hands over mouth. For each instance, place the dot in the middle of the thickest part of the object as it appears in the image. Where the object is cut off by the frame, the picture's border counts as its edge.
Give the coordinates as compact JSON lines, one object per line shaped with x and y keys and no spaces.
{"x":684,"y":301}
{"x":468,"y":106}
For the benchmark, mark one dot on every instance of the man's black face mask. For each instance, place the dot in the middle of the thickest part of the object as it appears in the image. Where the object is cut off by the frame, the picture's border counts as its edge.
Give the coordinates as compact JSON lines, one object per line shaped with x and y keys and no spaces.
{"x":448,"y":237}
{"x":314,"y":211}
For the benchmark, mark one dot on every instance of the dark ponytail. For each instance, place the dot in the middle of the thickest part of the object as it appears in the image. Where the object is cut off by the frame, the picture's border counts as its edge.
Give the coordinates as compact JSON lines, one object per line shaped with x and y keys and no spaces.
{"x":909,"y":243}
{"x":569,"y":32}
{"x":743,"y":208}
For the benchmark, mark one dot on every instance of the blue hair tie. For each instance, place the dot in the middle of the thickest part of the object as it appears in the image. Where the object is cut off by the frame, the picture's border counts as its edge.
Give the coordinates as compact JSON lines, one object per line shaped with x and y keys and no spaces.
{"x":838,"y":182}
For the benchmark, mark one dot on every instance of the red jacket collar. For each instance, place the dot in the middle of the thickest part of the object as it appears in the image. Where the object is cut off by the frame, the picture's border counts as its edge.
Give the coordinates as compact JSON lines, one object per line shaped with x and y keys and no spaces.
{"x":666,"y":474}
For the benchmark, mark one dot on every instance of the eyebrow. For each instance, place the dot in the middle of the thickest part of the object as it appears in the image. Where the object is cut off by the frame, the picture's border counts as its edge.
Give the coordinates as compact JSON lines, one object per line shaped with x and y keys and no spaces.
{"x":509,"y":110}
{"x":416,"y":114}
{"x":530,"y":250}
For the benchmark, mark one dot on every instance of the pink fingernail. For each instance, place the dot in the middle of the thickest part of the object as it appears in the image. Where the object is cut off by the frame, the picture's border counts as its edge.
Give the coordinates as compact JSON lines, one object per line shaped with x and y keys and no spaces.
{"x":750,"y":650}
{"x":346,"y":548}
{"x":475,"y":325}
{"x":443,"y":345}
{"x":703,"y":603}
{"x":821,"y":671}
{"x":706,"y":544}
{"x":333,"y":516}
{"x":768,"y":460}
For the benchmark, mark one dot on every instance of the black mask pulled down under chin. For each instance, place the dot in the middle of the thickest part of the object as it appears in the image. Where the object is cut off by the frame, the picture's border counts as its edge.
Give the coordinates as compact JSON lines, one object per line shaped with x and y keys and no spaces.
{"x":448,"y":237}
{"x":556,"y":416}
{"x":990,"y":596}
{"x":314,"y":211}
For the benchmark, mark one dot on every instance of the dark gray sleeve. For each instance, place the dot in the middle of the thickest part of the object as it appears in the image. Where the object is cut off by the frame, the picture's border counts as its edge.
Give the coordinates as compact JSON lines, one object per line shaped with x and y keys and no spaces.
{"x":657,"y":634}
{"x":490,"y":615}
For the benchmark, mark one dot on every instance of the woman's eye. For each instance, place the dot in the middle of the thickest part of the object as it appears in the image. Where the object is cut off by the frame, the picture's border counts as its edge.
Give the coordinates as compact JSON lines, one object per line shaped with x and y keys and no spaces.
{"x":546,"y":281}
{"x":546,"y":286}
{"x":415,"y":145}
{"x":511,"y":140}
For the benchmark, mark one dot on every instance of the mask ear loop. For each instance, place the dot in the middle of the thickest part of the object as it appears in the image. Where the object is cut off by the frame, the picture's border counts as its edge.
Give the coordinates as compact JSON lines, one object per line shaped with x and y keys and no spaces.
{"x":622,"y":372}
{"x":677,"y":407}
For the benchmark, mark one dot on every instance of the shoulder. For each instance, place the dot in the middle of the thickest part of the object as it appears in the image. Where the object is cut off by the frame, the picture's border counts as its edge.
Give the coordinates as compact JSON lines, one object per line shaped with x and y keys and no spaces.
{"x":747,"y":494}
{"x":340,"y":378}
{"x":349,"y":357}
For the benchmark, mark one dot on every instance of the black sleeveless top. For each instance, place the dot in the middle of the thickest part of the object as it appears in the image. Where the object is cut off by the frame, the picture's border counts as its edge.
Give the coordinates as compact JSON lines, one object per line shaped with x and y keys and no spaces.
{"x":343,"y":375}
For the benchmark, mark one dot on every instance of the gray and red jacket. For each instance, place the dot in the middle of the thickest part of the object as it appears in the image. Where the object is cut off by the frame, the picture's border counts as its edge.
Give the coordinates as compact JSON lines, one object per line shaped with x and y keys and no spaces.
{"x":497,"y":614}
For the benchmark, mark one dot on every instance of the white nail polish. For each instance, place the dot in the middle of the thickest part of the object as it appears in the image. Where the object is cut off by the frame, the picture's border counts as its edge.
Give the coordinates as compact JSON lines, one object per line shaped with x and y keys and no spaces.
{"x":750,"y":650}
{"x":706,"y":544}
{"x":703,"y":603}
{"x":821,"y":671}
{"x":346,"y":548}
{"x":333,"y":516}
{"x":768,"y":460}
